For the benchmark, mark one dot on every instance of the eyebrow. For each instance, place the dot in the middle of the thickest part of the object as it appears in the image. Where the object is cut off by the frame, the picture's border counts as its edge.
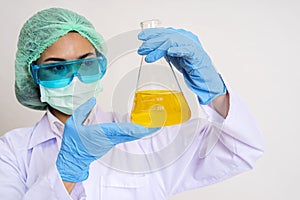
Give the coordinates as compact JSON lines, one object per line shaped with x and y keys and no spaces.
{"x":61,"y":59}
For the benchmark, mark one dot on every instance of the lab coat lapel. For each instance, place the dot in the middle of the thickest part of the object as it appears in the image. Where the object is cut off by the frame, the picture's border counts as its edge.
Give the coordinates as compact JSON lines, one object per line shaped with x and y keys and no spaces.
{"x":43,"y":149}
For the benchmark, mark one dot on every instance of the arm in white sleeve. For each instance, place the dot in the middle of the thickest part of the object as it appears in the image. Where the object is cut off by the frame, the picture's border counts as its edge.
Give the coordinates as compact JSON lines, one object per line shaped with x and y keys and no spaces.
{"x":15,"y":175}
{"x":238,"y":122}
{"x":223,"y":149}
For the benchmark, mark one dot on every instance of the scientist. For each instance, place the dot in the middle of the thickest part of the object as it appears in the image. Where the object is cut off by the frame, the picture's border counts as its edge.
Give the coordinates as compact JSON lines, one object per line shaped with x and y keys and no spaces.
{"x":59,"y":64}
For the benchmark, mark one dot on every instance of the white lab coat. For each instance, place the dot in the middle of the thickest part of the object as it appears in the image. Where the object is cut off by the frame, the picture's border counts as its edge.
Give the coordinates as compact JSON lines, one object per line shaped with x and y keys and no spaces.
{"x":194,"y":154}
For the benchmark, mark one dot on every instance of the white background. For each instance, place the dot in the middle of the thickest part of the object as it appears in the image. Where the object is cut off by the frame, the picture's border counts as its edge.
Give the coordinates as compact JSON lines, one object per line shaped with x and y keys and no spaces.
{"x":254,"y":45}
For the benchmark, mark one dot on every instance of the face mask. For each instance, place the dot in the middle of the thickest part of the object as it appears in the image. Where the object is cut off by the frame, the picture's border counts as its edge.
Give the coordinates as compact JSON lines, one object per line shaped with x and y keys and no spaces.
{"x":68,"y":98}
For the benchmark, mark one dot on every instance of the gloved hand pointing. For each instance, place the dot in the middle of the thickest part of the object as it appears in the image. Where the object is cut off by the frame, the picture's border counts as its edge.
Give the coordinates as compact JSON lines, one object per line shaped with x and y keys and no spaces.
{"x":185,"y":52}
{"x":83,"y":144}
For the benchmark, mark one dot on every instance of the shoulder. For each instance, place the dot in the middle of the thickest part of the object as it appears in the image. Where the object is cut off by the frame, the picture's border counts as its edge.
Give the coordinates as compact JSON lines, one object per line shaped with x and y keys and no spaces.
{"x":17,"y":139}
{"x":14,"y":146}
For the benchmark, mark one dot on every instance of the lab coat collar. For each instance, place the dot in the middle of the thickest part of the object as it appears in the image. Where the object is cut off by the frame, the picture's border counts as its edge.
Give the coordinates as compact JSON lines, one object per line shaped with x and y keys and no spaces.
{"x":55,"y":124}
{"x":42,"y":132}
{"x":49,"y":127}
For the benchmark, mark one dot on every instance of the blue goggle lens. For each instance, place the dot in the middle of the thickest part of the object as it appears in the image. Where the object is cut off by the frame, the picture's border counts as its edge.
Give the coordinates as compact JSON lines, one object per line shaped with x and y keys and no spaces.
{"x":61,"y":74}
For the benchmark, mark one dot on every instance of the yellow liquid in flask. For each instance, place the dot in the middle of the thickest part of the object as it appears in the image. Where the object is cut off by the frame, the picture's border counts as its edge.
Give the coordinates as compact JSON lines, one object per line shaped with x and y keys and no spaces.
{"x":157,"y":108}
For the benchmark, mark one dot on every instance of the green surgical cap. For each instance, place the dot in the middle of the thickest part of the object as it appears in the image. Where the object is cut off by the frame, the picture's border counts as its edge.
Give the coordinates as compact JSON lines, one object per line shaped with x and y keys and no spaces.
{"x":37,"y":34}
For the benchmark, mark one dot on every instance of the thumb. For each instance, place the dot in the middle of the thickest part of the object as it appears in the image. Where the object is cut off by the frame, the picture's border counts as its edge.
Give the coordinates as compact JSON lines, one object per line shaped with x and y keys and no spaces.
{"x":83,"y":110}
{"x":184,"y":52}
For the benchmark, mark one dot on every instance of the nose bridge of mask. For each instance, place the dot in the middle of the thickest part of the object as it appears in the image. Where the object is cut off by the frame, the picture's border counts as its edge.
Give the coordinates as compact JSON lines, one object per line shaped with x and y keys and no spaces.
{"x":78,"y":87}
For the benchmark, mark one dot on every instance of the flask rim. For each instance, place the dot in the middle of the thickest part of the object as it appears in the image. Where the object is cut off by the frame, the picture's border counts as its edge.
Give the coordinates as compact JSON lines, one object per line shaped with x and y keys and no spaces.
{"x":151,"y":23}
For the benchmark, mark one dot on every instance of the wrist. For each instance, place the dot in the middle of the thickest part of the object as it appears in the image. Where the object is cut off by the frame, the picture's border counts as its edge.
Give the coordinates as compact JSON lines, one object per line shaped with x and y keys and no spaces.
{"x":221,"y":104}
{"x":69,"y":186}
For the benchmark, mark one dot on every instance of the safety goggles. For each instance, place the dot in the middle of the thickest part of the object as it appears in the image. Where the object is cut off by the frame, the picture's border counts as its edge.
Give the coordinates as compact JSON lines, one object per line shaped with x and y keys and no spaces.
{"x":61,"y":74}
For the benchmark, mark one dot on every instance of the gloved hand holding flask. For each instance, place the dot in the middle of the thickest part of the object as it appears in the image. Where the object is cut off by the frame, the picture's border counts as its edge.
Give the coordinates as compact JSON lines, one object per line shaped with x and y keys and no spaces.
{"x":83,"y":144}
{"x":184,"y":50}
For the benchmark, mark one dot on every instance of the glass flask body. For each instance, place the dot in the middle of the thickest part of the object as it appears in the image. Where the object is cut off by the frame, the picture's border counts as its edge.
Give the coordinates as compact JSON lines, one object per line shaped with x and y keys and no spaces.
{"x":158,"y":99}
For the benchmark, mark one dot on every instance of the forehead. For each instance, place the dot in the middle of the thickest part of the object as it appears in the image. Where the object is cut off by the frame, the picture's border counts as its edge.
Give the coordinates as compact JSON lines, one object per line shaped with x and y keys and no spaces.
{"x":69,"y":46}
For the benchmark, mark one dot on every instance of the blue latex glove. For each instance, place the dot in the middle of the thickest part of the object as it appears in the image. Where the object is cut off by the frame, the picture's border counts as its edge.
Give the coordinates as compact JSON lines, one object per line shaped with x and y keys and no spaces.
{"x":82,"y":144}
{"x":184,"y":50}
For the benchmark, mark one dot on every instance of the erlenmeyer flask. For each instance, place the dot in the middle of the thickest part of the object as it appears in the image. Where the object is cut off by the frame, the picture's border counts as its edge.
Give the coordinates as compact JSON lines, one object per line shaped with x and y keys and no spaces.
{"x":158,"y":99}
